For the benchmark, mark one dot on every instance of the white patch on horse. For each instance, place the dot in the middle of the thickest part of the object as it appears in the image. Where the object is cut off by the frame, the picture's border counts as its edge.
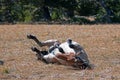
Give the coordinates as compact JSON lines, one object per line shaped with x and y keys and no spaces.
{"x":66,"y":48}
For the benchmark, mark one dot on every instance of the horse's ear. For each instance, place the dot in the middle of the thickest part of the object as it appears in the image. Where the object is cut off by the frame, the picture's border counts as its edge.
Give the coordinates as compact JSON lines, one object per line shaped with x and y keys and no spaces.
{"x":69,"y":41}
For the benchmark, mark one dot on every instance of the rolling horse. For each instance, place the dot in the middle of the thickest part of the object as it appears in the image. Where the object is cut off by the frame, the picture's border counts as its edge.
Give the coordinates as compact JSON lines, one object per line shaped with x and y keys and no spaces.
{"x":68,"y":53}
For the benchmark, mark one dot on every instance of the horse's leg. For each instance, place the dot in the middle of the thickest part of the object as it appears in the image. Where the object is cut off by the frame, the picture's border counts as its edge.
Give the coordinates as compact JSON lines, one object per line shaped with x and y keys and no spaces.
{"x":39,"y":54}
{"x":44,"y":43}
{"x":35,"y":39}
{"x":51,"y":42}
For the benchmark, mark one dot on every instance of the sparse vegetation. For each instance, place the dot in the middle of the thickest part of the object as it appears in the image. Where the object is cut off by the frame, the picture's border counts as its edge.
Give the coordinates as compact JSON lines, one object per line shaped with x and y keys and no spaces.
{"x":6,"y":71}
{"x":101,"y":42}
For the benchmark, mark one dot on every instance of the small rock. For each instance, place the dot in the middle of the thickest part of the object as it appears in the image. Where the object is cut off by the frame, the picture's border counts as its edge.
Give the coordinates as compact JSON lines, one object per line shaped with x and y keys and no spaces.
{"x":1,"y":62}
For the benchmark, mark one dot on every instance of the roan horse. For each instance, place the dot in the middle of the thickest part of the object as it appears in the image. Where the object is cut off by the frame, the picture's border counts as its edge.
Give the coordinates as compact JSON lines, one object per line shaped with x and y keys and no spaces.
{"x":68,"y":53}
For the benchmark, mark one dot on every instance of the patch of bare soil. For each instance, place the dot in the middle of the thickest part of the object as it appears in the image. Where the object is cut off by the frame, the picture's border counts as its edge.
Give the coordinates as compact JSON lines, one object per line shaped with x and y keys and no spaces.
{"x":101,"y":42}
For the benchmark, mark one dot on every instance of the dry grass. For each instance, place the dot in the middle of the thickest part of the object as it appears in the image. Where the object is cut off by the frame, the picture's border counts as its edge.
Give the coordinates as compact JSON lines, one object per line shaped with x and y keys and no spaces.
{"x":102,"y":43}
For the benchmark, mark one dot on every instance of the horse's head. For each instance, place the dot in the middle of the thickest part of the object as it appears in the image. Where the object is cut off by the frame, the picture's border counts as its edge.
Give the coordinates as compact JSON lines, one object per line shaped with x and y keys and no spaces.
{"x":73,"y":54}
{"x":82,"y":62}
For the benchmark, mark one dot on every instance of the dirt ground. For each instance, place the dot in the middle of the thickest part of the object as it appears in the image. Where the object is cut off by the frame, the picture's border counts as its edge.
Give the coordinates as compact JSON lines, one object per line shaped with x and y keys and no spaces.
{"x":101,"y":42}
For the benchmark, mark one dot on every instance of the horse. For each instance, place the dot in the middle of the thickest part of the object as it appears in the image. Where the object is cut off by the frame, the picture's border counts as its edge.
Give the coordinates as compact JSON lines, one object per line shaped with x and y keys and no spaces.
{"x":68,"y":53}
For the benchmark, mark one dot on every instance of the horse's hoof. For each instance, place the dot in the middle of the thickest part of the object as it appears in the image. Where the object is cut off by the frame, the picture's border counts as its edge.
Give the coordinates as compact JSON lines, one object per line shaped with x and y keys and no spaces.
{"x":29,"y":36}
{"x":34,"y":49}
